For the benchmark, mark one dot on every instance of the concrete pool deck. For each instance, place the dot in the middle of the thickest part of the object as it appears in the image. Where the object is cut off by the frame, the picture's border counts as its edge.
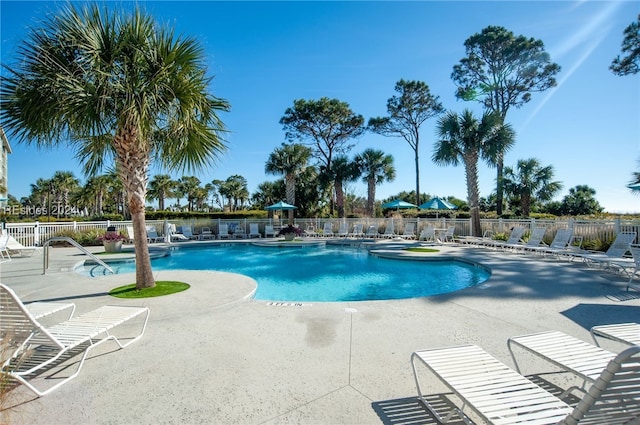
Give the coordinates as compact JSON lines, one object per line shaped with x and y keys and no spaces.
{"x":214,"y":355}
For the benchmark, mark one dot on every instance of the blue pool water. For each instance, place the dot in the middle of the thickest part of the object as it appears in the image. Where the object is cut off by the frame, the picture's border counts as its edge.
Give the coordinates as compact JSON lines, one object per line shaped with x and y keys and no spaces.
{"x":321,"y":273}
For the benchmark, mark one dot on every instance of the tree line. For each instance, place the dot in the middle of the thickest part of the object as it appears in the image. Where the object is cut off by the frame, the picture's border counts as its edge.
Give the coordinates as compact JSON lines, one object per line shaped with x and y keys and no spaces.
{"x":120,"y":88}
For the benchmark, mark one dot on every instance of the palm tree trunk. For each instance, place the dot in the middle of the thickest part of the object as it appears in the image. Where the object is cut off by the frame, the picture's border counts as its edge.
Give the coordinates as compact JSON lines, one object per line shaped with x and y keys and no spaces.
{"x":133,"y":164}
{"x":473,"y":193}
{"x":371,"y":195}
{"x":339,"y":199}
{"x":417,"y":176}
{"x":290,"y":188}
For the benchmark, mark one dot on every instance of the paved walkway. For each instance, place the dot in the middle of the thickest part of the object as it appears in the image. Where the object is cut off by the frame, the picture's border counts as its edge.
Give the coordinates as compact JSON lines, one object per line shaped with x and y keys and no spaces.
{"x":213,"y":355}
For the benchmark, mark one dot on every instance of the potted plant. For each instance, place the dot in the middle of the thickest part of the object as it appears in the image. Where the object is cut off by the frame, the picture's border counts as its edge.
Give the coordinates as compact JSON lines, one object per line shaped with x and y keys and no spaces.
{"x":112,"y":241}
{"x":290,"y":232}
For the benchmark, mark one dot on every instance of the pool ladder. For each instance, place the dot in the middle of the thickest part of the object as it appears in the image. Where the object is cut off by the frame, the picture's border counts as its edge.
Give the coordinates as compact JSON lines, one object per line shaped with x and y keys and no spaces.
{"x":45,"y":264}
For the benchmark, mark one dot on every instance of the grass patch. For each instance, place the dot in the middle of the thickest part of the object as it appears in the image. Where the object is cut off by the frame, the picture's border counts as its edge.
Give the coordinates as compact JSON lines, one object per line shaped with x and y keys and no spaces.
{"x":163,"y":287}
{"x":422,"y":250}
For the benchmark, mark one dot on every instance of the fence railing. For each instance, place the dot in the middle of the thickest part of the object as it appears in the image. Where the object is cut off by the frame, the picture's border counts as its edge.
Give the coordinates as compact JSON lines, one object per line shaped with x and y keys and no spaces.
{"x":36,"y":233}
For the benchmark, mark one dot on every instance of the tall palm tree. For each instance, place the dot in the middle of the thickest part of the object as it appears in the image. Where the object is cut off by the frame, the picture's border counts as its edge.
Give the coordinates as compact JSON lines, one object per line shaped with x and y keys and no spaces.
{"x":64,"y":182}
{"x":188,"y":187}
{"x":115,"y":86}
{"x":94,"y":192}
{"x":530,"y":181}
{"x":342,"y":171}
{"x":375,"y":168}
{"x":161,"y":187}
{"x":289,"y":161}
{"x":462,"y":138}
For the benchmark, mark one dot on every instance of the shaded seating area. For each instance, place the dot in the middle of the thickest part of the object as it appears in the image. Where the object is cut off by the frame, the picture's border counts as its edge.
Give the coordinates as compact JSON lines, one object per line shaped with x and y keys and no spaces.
{"x":34,"y":349}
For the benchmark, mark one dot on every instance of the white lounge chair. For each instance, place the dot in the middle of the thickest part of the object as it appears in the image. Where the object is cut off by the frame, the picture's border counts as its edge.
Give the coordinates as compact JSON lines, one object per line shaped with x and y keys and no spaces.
{"x":130,"y":235}
{"x":357,"y":231}
{"x":389,"y":231}
{"x":223,"y":232}
{"x":254,"y":231}
{"x":175,"y":236}
{"x":152,"y":235}
{"x":310,"y":232}
{"x":557,"y":246}
{"x":41,"y":309}
{"x":428,"y":234}
{"x":487,"y":237}
{"x":343,"y":231}
{"x":514,"y":238}
{"x":327,"y":230}
{"x":625,"y":333}
{"x":409,"y":231}
{"x":4,"y":251}
{"x":571,"y":354}
{"x":613,"y":255}
{"x":499,"y":395}
{"x":238,"y":232}
{"x":35,"y":348}
{"x":16,"y":248}
{"x":447,"y":235}
{"x":535,"y":240}
{"x":372,"y":231}
{"x":269,"y":231}
{"x":188,"y":232}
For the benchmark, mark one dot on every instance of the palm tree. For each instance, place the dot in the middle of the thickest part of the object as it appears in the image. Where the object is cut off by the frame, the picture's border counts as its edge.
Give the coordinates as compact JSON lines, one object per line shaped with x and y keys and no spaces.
{"x":530,"y":181}
{"x":161,"y":187}
{"x":375,"y":168}
{"x":289,"y":161}
{"x":64,"y":182}
{"x":236,"y":189}
{"x":116,"y":86}
{"x":94,"y":192}
{"x":188,"y":187}
{"x":462,"y":138}
{"x":341,"y":171}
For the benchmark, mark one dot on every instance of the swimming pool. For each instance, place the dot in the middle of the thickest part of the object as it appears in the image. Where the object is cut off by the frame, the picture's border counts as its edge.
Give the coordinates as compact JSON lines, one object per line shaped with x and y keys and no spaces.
{"x":320,"y":274}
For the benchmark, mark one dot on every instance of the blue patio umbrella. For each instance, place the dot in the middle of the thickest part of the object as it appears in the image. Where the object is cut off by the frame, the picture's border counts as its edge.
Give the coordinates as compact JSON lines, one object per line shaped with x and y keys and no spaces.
{"x":397,"y":204}
{"x":437,"y":204}
{"x":283,"y":206}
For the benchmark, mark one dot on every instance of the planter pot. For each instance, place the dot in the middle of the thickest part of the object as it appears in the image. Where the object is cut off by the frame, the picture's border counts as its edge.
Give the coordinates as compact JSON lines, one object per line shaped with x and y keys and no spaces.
{"x":112,"y":246}
{"x":289,"y":236}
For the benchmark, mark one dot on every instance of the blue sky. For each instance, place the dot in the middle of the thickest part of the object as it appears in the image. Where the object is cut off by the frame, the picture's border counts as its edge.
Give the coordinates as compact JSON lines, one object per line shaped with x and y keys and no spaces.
{"x":264,"y":55}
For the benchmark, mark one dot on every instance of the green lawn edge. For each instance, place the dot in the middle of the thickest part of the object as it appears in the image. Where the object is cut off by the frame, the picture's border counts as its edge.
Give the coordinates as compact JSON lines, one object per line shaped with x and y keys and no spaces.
{"x":162,"y":288}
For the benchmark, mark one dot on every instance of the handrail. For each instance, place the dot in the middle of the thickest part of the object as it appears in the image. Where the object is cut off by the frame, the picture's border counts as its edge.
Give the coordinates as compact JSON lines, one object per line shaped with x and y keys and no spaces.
{"x":45,"y":264}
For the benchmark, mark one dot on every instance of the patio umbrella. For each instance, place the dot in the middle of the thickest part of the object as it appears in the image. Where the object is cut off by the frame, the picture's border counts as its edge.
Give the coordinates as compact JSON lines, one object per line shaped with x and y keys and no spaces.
{"x":283,"y":206}
{"x":398,"y":204}
{"x":437,"y":204}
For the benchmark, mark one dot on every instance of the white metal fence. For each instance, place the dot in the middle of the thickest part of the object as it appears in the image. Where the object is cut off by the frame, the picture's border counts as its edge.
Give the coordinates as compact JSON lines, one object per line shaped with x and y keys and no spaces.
{"x":36,"y":233}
